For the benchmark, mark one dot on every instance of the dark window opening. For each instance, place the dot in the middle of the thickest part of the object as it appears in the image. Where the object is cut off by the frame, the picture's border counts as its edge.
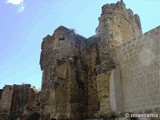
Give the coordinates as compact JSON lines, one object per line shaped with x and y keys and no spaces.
{"x":61,"y":38}
{"x":53,"y":119}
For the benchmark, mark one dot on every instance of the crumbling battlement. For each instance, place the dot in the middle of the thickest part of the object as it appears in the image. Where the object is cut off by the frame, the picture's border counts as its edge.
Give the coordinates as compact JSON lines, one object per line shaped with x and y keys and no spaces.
{"x":62,"y":44}
{"x":6,"y":98}
{"x":17,"y":101}
{"x":118,"y":24}
{"x":87,"y":78}
{"x":115,"y":8}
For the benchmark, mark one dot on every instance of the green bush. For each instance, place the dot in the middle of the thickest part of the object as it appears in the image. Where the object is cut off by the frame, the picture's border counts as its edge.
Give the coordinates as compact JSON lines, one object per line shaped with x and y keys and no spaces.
{"x":112,"y":115}
{"x":100,"y":116}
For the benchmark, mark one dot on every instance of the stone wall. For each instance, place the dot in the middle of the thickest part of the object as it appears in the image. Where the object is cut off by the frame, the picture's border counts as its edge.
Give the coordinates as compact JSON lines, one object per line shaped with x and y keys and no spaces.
{"x":62,"y":45}
{"x":69,"y":75}
{"x":115,"y":91}
{"x":6,"y":99}
{"x":82,"y":78}
{"x":23,"y":99}
{"x":64,"y":79}
{"x":18,"y":102}
{"x":117,"y":25}
{"x":139,"y":62}
{"x":92,"y":60}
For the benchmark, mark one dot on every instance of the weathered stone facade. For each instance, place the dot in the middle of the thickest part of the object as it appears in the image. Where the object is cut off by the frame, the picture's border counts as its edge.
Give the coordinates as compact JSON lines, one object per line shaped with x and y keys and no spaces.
{"x":117,"y":25}
{"x":115,"y":70}
{"x":18,"y":102}
{"x":64,"y":74}
{"x":5,"y":102}
{"x":140,"y":59}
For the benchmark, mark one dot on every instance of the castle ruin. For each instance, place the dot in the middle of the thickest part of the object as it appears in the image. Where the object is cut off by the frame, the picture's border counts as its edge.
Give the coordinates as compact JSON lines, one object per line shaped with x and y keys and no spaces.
{"x":117,"y":69}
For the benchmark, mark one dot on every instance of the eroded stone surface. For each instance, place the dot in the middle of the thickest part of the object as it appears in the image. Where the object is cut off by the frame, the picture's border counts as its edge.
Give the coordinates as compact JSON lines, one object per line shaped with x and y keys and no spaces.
{"x":139,"y":68}
{"x":76,"y":72}
{"x":18,"y":102}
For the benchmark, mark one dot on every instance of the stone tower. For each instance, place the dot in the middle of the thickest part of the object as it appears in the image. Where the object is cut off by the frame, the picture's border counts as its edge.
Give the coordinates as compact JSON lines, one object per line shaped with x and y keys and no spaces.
{"x":64,"y":81}
{"x":76,"y":70}
{"x":115,"y":70}
{"x":117,"y":25}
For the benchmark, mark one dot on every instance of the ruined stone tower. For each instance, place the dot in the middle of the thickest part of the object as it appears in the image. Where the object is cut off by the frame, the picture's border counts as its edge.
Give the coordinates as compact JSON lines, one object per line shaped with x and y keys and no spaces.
{"x":76,"y":70}
{"x":117,"y":25}
{"x":64,"y":84}
{"x":117,"y":69}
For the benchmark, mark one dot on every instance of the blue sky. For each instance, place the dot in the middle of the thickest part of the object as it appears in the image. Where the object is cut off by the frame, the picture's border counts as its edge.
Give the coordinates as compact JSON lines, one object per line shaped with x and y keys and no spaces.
{"x":24,"y":23}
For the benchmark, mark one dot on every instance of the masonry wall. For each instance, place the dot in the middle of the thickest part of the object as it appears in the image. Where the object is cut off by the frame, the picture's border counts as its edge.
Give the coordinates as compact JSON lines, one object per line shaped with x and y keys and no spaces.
{"x":24,"y":100}
{"x":92,"y":60}
{"x":139,"y":62}
{"x":6,"y":98}
{"x":83,"y":78}
{"x":117,"y":25}
{"x":19,"y":102}
{"x":64,"y":81}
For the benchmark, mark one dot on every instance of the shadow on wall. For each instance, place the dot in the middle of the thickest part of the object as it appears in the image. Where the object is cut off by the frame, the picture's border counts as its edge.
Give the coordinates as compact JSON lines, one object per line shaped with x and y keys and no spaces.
{"x":34,"y":116}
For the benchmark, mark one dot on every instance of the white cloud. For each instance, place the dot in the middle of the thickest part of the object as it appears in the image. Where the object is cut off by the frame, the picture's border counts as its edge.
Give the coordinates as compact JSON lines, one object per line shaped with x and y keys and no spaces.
{"x":18,"y":3}
{"x":15,"y":2}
